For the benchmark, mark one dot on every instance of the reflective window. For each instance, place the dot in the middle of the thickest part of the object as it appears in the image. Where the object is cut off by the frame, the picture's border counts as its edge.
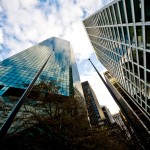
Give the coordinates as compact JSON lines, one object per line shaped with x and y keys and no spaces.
{"x":137,"y":10}
{"x":112,"y":14}
{"x":125,"y":34}
{"x":100,"y":14}
{"x":129,"y":12}
{"x":141,"y":73}
{"x":147,"y":10}
{"x":131,"y":69}
{"x":132,"y":37}
{"x":116,"y":33}
{"x":95,"y":20}
{"x":136,"y":70}
{"x":108,"y":14}
{"x":120,"y":33}
{"x":106,"y":19}
{"x":111,"y":34}
{"x":147,"y":32}
{"x":148,"y":76}
{"x":140,"y":55}
{"x":103,"y":17}
{"x":117,"y":13}
{"x":112,"y":31}
{"x":139,"y":36}
{"x":134,"y":54}
{"x":148,"y":60}
{"x":123,"y":49}
{"x":122,"y":11}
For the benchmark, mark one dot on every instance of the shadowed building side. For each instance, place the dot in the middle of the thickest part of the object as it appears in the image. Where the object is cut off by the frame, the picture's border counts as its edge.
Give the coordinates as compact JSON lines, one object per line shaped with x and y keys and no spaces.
{"x":95,"y":112}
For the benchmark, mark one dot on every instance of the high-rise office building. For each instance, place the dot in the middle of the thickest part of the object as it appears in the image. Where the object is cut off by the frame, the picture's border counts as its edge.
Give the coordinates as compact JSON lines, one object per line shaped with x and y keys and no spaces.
{"x":18,"y":71}
{"x":119,"y":34}
{"x":109,"y":118}
{"x":95,"y":113}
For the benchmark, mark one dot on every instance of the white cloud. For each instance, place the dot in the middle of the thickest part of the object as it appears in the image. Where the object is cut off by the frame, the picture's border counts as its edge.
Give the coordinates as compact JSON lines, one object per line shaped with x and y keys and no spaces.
{"x":1,"y":36}
{"x":29,"y":21}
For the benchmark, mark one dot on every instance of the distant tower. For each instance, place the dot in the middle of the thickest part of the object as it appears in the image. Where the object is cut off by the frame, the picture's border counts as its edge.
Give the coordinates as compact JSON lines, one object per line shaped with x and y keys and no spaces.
{"x":109,"y":118}
{"x":95,"y":112}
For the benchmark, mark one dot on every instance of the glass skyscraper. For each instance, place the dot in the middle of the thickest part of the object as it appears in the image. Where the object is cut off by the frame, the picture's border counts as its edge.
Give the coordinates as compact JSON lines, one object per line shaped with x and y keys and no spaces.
{"x":18,"y":71}
{"x":119,"y":34}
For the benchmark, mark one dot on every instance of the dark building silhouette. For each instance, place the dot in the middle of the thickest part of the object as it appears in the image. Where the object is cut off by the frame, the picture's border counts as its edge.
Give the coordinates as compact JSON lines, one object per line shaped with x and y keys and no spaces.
{"x":95,"y":113}
{"x":108,"y":116}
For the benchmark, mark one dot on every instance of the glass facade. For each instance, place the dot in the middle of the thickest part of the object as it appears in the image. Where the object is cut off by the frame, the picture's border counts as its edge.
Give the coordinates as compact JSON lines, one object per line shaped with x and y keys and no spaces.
{"x":17,"y":72}
{"x":120,"y":35}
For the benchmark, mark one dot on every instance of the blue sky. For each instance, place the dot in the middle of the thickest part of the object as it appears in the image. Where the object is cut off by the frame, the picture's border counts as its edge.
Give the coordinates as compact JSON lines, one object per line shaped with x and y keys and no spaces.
{"x":24,"y":23}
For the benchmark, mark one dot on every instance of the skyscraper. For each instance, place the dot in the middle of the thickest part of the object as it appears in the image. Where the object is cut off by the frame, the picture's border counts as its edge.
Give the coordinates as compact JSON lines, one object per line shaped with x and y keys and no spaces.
{"x":95,"y":112}
{"x":119,"y":34}
{"x":18,"y":71}
{"x":109,"y":118}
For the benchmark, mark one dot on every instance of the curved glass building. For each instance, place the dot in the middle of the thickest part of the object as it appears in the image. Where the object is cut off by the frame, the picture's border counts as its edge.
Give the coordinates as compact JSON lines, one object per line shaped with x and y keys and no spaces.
{"x":120,"y":36}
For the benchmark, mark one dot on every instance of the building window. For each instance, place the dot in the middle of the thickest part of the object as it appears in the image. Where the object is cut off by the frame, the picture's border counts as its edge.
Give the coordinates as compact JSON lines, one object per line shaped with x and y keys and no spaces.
{"x":139,"y":36}
{"x":135,"y":70}
{"x":141,"y":73}
{"x":137,"y":10}
{"x":112,"y":14}
{"x":147,"y":32}
{"x":117,"y":13}
{"x":147,"y":10}
{"x":108,"y":15}
{"x":129,"y":12}
{"x":147,"y":60}
{"x":148,"y":109}
{"x":148,"y":76}
{"x":120,"y":33}
{"x":116,"y":33}
{"x":122,"y":11}
{"x":140,"y":55}
{"x":132,"y":37}
{"x":106,"y":19}
{"x":125,"y":34}
{"x":134,"y":55}
{"x":96,"y":20}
